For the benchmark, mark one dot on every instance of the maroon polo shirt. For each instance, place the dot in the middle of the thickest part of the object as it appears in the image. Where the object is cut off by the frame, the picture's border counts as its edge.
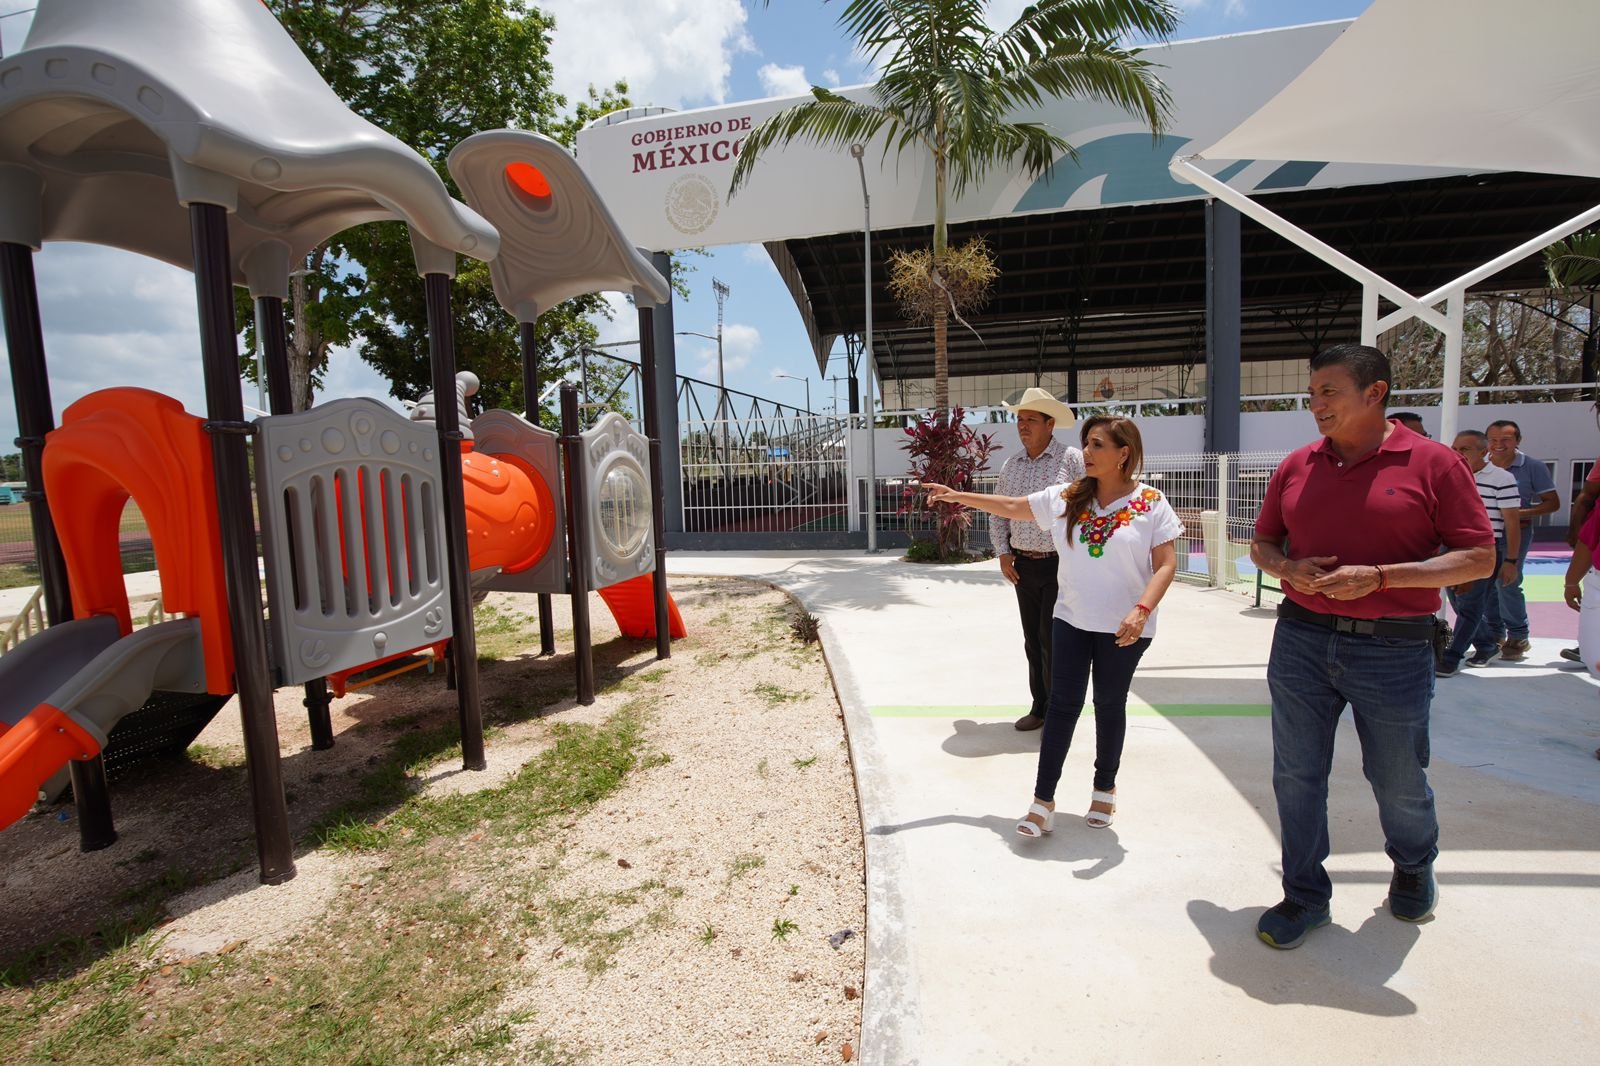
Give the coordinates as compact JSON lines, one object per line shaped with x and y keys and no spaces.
{"x":1399,"y":504}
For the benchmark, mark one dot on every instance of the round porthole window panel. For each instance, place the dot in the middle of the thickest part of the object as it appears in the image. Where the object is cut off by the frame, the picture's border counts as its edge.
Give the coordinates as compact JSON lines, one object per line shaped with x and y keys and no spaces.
{"x":623,"y":511}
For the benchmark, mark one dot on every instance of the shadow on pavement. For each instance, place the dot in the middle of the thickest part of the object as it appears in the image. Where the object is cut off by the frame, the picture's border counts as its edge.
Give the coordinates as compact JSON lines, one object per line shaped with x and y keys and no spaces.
{"x":1072,"y":841}
{"x":1336,"y":967}
{"x":977,"y":740}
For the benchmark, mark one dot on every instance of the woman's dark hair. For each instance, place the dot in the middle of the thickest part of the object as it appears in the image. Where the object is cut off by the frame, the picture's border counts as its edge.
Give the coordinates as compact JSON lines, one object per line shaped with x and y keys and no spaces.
{"x":1365,"y":363}
{"x":1124,"y":434}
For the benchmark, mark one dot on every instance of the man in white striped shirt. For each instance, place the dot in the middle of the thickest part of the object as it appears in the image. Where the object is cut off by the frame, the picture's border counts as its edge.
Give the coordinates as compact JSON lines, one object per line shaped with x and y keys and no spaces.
{"x":1497,"y":488}
{"x":1027,"y":554}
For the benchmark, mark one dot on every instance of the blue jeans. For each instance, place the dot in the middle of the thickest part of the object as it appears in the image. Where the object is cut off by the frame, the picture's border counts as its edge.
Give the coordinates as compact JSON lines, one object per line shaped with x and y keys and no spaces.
{"x":1388,"y":683}
{"x":1076,"y":655}
{"x":1472,"y":627}
{"x":1507,"y":613}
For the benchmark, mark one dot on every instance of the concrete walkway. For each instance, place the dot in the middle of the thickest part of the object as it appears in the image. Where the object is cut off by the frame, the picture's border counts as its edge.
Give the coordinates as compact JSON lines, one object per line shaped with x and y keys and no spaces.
{"x":1136,"y":944}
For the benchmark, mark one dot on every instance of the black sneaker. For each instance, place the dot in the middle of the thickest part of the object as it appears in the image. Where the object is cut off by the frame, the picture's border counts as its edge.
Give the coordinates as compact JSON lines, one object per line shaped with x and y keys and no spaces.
{"x":1572,"y":655}
{"x":1447,"y":669}
{"x":1412,"y":896}
{"x":1286,"y":925}
{"x":1484,"y":657}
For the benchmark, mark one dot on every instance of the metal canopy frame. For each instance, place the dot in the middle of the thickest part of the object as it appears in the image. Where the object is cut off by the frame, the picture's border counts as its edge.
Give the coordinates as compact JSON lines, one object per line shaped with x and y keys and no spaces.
{"x":1125,"y":286}
{"x":1452,"y":293}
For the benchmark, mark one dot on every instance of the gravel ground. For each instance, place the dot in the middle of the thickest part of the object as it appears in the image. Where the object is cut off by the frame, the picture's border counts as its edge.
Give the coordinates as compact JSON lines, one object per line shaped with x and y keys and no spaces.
{"x":741,"y":836}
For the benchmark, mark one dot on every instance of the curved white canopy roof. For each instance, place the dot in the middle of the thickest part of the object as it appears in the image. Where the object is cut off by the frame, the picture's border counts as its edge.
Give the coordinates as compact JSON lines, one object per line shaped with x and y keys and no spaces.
{"x":1475,"y":84}
{"x":117,"y":112}
{"x":558,"y":238}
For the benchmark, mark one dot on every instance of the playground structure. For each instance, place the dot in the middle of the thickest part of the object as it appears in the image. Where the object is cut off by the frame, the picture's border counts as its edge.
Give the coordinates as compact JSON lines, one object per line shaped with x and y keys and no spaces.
{"x":138,"y":125}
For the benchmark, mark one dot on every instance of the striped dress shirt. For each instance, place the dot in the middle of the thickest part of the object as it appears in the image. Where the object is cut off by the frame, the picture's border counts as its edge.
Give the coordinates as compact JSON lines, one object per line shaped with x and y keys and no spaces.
{"x":1058,"y":464}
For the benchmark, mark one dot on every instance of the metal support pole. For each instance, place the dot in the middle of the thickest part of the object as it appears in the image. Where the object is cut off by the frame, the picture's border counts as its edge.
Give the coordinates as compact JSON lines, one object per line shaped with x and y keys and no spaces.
{"x":1223,"y":332}
{"x":667,"y":389}
{"x":652,"y":429}
{"x":528,"y":334}
{"x":273,"y":343}
{"x":30,"y":386}
{"x":577,"y":527}
{"x":464,"y":645}
{"x":1450,"y":411}
{"x":226,"y":425}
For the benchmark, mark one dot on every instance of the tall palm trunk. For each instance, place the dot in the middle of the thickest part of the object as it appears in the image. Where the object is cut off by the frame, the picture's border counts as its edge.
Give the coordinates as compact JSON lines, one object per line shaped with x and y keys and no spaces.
{"x":941,"y":361}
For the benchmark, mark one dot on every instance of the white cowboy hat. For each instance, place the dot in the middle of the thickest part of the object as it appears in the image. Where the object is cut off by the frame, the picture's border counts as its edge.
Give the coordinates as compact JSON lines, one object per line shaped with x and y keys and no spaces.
{"x":1046,"y":404}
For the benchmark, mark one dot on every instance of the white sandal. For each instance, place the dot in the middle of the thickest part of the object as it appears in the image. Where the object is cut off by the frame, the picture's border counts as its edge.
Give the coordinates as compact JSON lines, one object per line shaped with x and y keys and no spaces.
{"x":1034,"y":829}
{"x":1101,"y":819}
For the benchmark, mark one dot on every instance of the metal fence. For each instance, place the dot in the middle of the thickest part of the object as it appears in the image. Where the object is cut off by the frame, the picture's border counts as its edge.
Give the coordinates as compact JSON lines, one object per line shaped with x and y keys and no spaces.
{"x":779,"y":473}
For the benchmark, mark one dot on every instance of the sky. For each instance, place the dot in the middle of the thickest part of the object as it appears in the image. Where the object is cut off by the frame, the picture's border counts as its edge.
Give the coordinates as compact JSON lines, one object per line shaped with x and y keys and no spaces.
{"x":111,"y":318}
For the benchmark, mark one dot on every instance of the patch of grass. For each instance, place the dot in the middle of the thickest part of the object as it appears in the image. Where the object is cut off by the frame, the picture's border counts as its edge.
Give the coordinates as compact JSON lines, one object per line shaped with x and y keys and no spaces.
{"x":801,"y":764}
{"x":794,"y":890}
{"x":744,"y":863}
{"x":708,"y":933}
{"x":503,"y":633}
{"x":411,"y":969}
{"x":640,"y":681}
{"x":217,"y":758}
{"x":773,"y":695}
{"x":782,"y":927}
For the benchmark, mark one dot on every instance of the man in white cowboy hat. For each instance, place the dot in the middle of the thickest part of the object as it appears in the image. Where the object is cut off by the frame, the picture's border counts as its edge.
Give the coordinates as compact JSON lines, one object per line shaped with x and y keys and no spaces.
{"x":1027,"y":554}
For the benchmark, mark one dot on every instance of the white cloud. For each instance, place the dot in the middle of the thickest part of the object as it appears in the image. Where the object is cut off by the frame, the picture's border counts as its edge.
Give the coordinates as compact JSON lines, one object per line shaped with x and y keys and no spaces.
{"x":350,"y":375}
{"x":758,"y":256}
{"x":1235,"y":9}
{"x":739,"y":344}
{"x":831,"y":76}
{"x":784,"y":81}
{"x":676,"y":53}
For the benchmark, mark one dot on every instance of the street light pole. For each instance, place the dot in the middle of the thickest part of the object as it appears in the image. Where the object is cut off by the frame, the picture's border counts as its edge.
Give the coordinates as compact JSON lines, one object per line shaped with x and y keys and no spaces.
{"x":721,"y":290}
{"x":804,"y":381}
{"x":858,"y":151}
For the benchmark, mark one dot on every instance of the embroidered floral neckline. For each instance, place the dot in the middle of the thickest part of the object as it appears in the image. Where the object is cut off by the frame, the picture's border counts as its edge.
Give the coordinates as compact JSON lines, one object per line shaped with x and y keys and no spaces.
{"x":1094,"y":530}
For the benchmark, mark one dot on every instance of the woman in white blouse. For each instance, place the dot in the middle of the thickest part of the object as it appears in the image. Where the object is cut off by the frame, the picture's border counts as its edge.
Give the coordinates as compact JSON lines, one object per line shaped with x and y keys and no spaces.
{"x":1115,"y":539}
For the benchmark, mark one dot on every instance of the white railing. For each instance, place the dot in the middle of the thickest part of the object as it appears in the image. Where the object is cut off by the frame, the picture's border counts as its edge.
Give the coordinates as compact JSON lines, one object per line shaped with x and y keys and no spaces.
{"x":29,"y":620}
{"x":784,"y":474}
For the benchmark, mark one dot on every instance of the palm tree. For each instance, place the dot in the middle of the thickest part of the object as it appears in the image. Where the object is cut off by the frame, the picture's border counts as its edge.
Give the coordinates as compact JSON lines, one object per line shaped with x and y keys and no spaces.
{"x":1574,"y":263}
{"x":948,"y":84}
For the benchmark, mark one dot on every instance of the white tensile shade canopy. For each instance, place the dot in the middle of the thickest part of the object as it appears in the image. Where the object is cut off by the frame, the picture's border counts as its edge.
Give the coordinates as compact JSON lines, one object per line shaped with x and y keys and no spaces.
{"x":1453,"y":83}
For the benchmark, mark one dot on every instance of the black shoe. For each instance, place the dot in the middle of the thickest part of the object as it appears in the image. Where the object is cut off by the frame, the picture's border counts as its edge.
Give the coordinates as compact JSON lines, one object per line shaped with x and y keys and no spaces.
{"x":1029,"y":721}
{"x":1412,"y":896}
{"x":1484,"y":657}
{"x":1286,"y":925}
{"x":1572,"y":655}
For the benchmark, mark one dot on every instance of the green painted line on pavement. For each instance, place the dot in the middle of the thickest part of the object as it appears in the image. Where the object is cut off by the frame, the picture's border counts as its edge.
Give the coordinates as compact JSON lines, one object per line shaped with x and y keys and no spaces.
{"x":1141,"y":710}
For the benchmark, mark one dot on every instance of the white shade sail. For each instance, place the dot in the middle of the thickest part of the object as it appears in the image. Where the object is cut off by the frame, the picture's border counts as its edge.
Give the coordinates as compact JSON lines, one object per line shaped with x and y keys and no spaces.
{"x":1470,"y":84}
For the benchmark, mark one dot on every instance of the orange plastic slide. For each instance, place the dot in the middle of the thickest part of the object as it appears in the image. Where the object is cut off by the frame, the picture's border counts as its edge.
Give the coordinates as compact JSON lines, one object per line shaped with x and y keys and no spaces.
{"x":32,"y":750}
{"x":633,"y":605}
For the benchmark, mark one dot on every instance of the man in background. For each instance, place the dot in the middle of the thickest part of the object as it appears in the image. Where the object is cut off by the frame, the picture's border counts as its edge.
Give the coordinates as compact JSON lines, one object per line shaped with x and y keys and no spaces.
{"x":1498,"y":491}
{"x":1507,"y":614}
{"x":1026,"y":552}
{"x":1412,"y":421}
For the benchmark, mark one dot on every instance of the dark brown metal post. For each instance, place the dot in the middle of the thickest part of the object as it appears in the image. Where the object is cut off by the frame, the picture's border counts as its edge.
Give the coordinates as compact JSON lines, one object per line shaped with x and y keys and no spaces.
{"x":650,"y":400}
{"x":577,"y":528}
{"x":280,"y":398}
{"x":30,"y":386}
{"x":530,"y":401}
{"x":227,"y":427}
{"x":464,"y":645}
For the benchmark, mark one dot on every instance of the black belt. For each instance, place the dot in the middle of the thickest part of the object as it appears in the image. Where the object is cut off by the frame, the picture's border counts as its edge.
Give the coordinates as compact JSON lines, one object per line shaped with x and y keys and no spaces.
{"x":1026,"y":554}
{"x":1413,"y":627}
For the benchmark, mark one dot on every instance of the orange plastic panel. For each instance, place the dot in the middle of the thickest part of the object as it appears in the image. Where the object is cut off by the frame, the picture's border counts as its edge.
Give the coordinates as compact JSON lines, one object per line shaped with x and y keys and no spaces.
{"x":510,"y":513}
{"x":633,"y":605}
{"x":125,"y":442}
{"x":34,"y":749}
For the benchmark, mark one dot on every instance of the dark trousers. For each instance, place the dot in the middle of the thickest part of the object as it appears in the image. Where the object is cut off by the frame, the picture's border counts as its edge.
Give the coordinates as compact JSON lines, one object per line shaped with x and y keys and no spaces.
{"x":1472,"y":607}
{"x":1036,"y":600}
{"x":1079,"y":655}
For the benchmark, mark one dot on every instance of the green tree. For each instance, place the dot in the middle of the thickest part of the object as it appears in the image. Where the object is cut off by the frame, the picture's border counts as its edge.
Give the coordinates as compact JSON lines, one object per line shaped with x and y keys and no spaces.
{"x":948,"y":84}
{"x":430,"y":72}
{"x":1574,"y":264}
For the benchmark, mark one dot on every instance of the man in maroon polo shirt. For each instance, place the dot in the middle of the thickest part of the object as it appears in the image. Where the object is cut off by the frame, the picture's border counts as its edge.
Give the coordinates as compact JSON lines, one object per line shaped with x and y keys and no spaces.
{"x":1362,"y":528}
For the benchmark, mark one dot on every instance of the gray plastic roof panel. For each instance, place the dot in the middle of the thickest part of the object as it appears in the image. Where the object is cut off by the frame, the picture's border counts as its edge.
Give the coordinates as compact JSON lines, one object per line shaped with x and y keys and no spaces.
{"x":556,"y":246}
{"x":352,"y":532}
{"x":129,"y":108}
